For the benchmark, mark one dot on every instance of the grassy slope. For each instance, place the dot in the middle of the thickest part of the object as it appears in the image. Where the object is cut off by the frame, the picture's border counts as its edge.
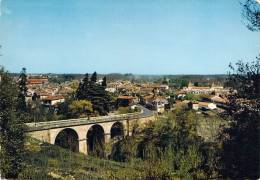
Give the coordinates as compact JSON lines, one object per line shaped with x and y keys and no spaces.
{"x":46,"y":161}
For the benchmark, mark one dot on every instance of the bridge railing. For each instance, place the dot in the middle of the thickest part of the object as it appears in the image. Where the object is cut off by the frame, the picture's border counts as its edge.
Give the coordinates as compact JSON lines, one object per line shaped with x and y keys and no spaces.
{"x":83,"y":121}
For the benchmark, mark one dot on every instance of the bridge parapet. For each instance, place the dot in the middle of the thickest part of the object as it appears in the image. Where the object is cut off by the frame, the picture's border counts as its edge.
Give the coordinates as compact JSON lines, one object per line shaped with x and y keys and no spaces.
{"x":85,"y":121}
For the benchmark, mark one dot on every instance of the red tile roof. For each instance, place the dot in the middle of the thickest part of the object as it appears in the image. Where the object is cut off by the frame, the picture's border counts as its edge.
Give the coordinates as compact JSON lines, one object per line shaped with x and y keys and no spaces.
{"x":149,"y":97}
{"x":204,"y":103}
{"x":125,"y":97}
{"x":36,"y":81}
{"x":219,"y":99}
{"x":52,"y":97}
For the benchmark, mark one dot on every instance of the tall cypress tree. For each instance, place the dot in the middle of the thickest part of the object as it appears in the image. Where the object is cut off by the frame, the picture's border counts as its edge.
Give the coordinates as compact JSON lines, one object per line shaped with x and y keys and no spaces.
{"x":93,"y":78}
{"x":85,"y":88}
{"x":82,"y":91}
{"x":104,"y":82}
{"x":23,"y":90}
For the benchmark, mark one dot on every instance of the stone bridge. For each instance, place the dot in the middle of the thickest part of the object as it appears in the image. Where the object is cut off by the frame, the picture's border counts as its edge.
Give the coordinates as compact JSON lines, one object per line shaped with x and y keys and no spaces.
{"x":86,"y":135}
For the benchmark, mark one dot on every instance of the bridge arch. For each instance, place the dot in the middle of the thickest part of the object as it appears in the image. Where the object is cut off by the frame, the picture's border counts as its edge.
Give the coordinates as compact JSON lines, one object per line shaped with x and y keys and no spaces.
{"x":117,"y":130}
{"x":96,"y":140}
{"x":68,"y":139}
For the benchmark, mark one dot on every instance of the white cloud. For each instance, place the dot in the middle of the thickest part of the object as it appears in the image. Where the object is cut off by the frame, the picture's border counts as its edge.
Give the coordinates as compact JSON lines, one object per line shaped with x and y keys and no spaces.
{"x":6,"y":11}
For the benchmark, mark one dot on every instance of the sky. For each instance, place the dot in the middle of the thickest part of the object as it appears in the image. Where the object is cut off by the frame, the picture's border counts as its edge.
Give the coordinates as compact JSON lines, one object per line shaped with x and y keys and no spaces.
{"x":124,"y":36}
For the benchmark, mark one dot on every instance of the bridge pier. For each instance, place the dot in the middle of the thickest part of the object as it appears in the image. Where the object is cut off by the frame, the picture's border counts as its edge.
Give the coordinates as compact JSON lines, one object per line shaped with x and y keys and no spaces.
{"x":107,"y":137}
{"x":83,"y":146}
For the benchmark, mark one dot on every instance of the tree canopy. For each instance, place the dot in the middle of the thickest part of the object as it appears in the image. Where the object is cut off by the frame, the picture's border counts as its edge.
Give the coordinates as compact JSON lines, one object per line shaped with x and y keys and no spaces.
{"x":245,"y":77}
{"x":251,"y":14}
{"x":240,"y":142}
{"x":95,"y":93}
{"x":12,"y":130}
{"x":80,"y":109}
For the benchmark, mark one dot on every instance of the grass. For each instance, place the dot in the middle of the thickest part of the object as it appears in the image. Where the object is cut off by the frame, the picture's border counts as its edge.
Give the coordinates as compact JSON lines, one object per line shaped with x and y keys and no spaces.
{"x":46,"y":161}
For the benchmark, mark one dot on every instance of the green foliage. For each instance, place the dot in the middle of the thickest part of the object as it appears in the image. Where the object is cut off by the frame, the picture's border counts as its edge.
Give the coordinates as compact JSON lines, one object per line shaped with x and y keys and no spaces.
{"x":196,"y":84}
{"x":245,"y":78}
{"x":46,"y":161}
{"x":80,"y":109}
{"x":165,"y":81}
{"x":171,"y":101}
{"x":63,"y":109}
{"x":240,"y":142}
{"x":191,"y":96}
{"x":93,"y":78}
{"x":240,"y":151}
{"x":91,"y":91}
{"x":12,"y":130}
{"x":74,"y":86}
{"x":21,"y":107}
{"x":184,"y":83}
{"x":104,"y":82}
{"x":251,"y":14}
{"x":125,"y":110}
{"x":124,"y":150}
{"x":38,"y":113}
{"x":170,"y":148}
{"x":68,"y":77}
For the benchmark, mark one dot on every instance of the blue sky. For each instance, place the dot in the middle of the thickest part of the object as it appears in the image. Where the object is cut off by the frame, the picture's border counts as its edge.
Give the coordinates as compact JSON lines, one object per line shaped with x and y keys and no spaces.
{"x":126,"y":36}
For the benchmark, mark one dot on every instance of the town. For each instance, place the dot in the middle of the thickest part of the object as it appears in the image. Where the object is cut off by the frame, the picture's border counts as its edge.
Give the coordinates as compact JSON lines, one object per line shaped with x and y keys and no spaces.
{"x":154,"y":96}
{"x":129,"y":90}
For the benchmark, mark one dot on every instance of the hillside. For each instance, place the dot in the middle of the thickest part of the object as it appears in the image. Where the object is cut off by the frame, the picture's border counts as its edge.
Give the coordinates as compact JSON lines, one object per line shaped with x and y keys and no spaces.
{"x":46,"y":161}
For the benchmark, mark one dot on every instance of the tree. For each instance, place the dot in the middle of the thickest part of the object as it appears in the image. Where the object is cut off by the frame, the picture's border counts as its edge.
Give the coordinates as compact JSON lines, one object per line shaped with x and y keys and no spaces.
{"x":251,"y":14}
{"x":196,"y":84}
{"x":173,"y":142}
{"x":12,"y":129}
{"x":104,"y":82}
{"x":165,"y":81}
{"x":240,"y":142}
{"x":80,"y":109}
{"x":245,"y":77}
{"x":83,"y":89}
{"x":191,"y":96}
{"x":93,"y":78}
{"x":91,"y":91}
{"x":184,"y":83}
{"x":22,"y":93}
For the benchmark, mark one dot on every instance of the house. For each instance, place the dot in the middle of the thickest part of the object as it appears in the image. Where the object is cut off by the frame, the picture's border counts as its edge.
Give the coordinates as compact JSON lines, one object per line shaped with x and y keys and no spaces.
{"x":220,"y":102}
{"x":196,"y":105}
{"x":125,"y":101}
{"x":205,"y":90}
{"x":36,"y":81}
{"x":183,"y":104}
{"x":52,"y":100}
{"x":111,"y":89}
{"x":164,"y":87}
{"x":207,"y":106}
{"x":181,"y":93}
{"x":154,"y":103}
